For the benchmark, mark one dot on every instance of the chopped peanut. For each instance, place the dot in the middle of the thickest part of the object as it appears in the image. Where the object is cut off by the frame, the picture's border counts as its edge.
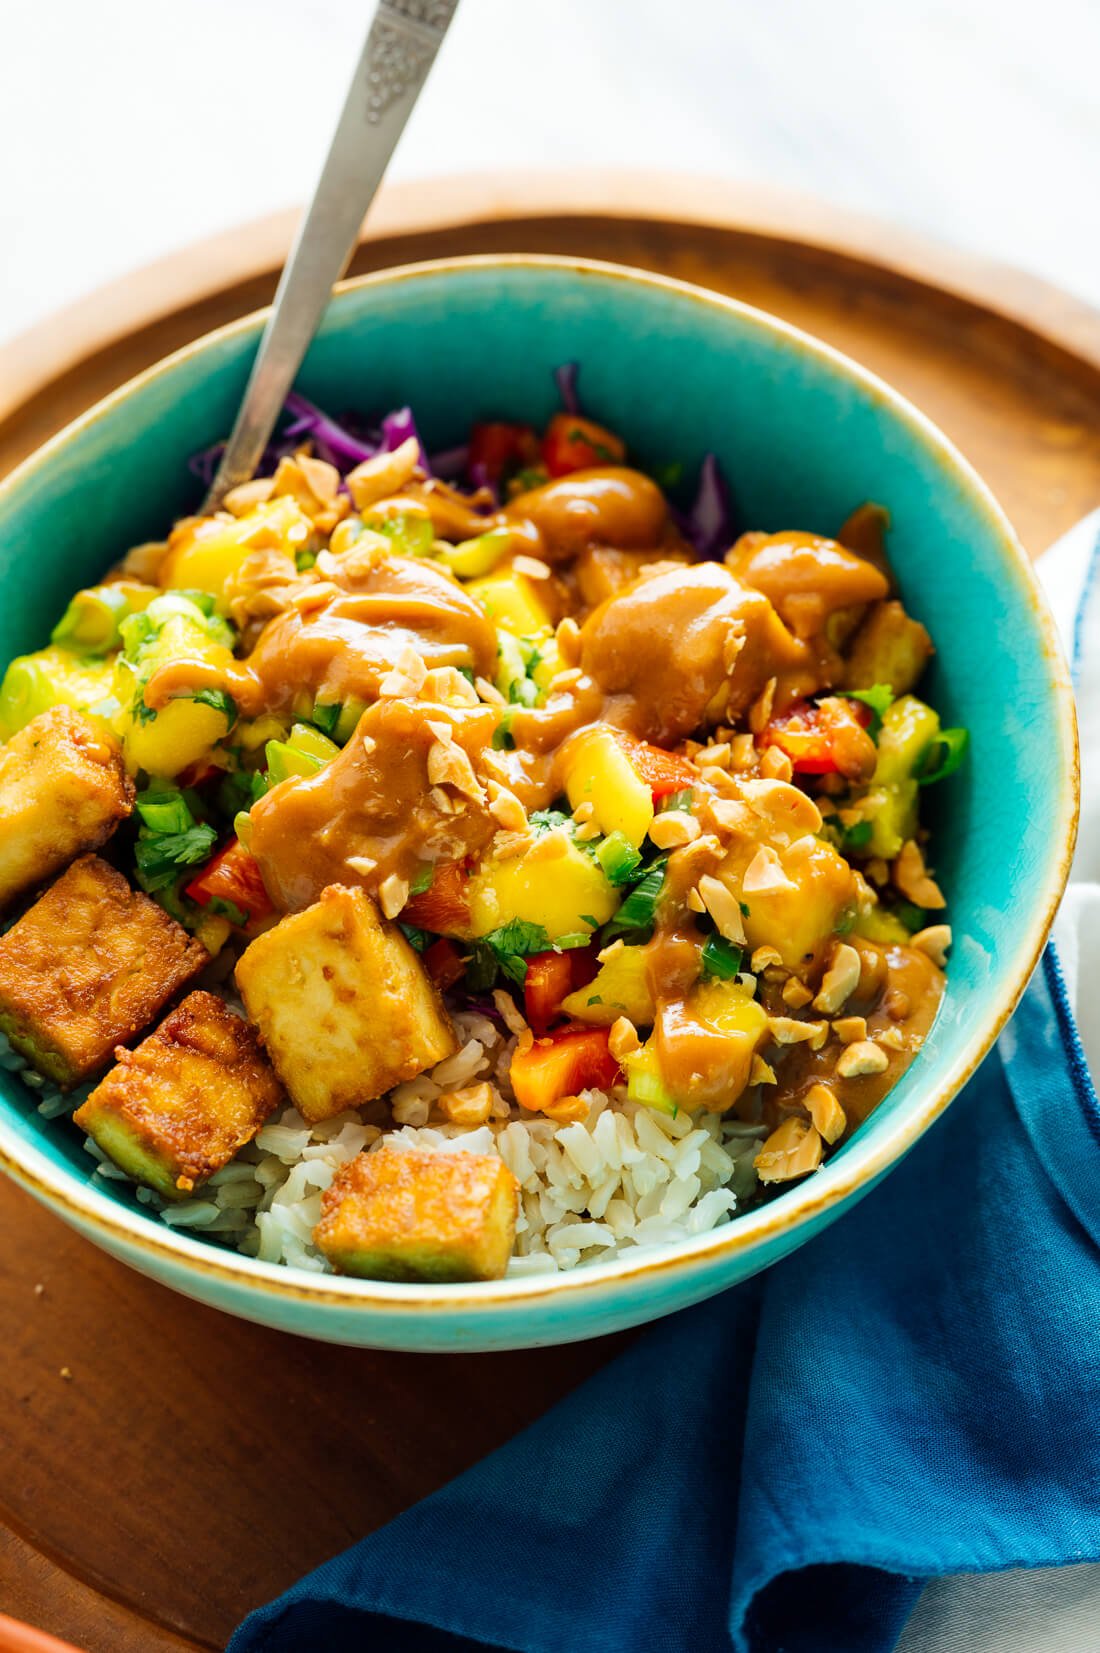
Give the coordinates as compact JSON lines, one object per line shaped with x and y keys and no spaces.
{"x":826,"y":1112}
{"x":860,"y":1058}
{"x":472,"y":1105}
{"x":623,"y":1038}
{"x":839,"y":981}
{"x":796,"y":993}
{"x":761,"y":709}
{"x":567,"y":1109}
{"x":383,"y":475}
{"x":935,"y":940}
{"x":761,"y":1072}
{"x":393,"y":892}
{"x":911,"y":878}
{"x":850,"y":1029}
{"x":786,"y":1030}
{"x":793,"y":1148}
{"x":724,"y":907}
{"x":673,"y":828}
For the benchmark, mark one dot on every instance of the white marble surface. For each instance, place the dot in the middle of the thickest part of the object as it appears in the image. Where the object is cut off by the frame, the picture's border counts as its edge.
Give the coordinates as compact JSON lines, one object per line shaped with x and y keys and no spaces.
{"x":130,"y":127}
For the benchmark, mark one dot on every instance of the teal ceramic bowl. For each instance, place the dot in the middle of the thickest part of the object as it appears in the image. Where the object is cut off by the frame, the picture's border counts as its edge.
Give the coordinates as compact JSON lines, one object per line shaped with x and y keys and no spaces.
{"x":805,"y":435}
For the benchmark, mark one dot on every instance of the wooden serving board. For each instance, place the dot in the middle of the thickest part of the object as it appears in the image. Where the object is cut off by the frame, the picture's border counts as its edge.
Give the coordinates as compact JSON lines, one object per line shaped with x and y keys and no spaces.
{"x":164,"y":1468}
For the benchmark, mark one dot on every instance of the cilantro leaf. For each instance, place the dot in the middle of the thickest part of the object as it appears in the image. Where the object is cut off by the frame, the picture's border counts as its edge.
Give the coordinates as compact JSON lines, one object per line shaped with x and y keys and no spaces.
{"x":636,"y":917}
{"x":417,"y":939}
{"x":720,"y":958}
{"x":219,"y":699}
{"x":160,"y":855}
{"x":423,"y":879}
{"x":879,"y":697}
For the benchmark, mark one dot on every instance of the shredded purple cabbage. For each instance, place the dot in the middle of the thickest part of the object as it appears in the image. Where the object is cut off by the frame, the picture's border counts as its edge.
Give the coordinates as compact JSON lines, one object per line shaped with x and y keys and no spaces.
{"x":566,"y":376}
{"x":397,"y":427}
{"x":330,"y":440}
{"x":478,"y":477}
{"x":450,"y":465}
{"x":709,"y":521}
{"x":485,"y":1007}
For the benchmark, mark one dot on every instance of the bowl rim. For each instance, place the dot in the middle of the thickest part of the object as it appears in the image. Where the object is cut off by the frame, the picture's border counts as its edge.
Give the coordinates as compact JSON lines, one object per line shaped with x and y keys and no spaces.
{"x":133,"y":1230}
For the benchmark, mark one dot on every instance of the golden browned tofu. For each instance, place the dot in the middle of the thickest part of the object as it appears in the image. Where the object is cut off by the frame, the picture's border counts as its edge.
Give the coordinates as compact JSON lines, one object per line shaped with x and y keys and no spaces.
{"x":889,"y":648}
{"x":342,"y":1003}
{"x":63,"y":790}
{"x":395,"y":1215}
{"x":86,"y":968}
{"x":177,"y":1109}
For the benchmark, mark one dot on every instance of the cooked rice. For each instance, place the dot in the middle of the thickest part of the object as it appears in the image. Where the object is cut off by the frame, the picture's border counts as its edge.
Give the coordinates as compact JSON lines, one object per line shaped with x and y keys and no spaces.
{"x":625,"y":1178}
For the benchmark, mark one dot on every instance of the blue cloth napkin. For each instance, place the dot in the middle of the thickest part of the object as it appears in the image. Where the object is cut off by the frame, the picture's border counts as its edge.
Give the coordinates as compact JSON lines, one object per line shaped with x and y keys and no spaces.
{"x":915,"y":1393}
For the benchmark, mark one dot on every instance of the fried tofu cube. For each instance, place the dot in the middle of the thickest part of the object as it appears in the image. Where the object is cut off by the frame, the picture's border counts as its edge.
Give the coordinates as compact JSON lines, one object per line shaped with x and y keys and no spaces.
{"x":397,"y":1215}
{"x":63,"y":790}
{"x":178,"y":1108}
{"x":342,"y":1003}
{"x":890,"y":648}
{"x":86,"y":968}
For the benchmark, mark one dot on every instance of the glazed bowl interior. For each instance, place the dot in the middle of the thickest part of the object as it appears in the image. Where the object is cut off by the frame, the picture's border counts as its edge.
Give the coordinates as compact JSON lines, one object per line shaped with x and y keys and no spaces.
{"x":804,"y":436}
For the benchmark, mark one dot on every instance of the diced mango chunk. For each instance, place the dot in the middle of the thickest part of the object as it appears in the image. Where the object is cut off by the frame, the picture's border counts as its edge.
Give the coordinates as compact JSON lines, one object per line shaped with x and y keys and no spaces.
{"x":34,"y":683}
{"x":178,"y":1108}
{"x":555,"y":883}
{"x":206,"y":553}
{"x":397,"y":1215}
{"x":513,"y":601}
{"x":63,"y":789}
{"x":705,"y":1044}
{"x":620,"y":988}
{"x":889,"y":647}
{"x":598,"y":771}
{"x":342,"y":1003}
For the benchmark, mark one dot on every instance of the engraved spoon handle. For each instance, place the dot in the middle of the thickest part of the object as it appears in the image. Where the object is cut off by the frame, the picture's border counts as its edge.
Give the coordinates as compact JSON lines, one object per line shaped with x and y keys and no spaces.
{"x":401,"y":47}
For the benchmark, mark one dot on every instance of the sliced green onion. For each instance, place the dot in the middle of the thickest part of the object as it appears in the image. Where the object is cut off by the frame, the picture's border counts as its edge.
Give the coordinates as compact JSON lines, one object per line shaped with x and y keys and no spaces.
{"x":305,"y":738}
{"x":682,"y":800}
{"x":348,"y":721}
{"x":164,"y":811}
{"x":326,"y":716}
{"x":721,"y":958}
{"x":284,"y":760}
{"x":92,"y":620}
{"x":411,"y":533}
{"x":941,"y":757}
{"x":647,"y":1087}
{"x":470,"y":559}
{"x":618,"y":858}
{"x":638,"y":912}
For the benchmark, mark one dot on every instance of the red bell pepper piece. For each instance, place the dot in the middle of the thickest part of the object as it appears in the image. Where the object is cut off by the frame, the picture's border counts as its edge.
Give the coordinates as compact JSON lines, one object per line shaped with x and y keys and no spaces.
{"x":571,"y":1059}
{"x":444,"y":963}
{"x":575,"y":444}
{"x":233,"y":876}
{"x":443,"y":907}
{"x":498,"y":447}
{"x":663,"y":772}
{"x":811,"y":735}
{"x":550,"y":978}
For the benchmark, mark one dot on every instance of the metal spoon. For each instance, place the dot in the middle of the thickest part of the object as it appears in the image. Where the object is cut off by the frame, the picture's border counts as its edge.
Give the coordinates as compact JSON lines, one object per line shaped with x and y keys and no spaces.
{"x":401,"y":47}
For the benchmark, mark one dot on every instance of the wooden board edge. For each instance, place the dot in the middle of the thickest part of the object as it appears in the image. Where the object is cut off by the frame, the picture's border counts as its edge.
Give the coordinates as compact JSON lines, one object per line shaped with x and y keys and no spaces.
{"x":41,"y":354}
